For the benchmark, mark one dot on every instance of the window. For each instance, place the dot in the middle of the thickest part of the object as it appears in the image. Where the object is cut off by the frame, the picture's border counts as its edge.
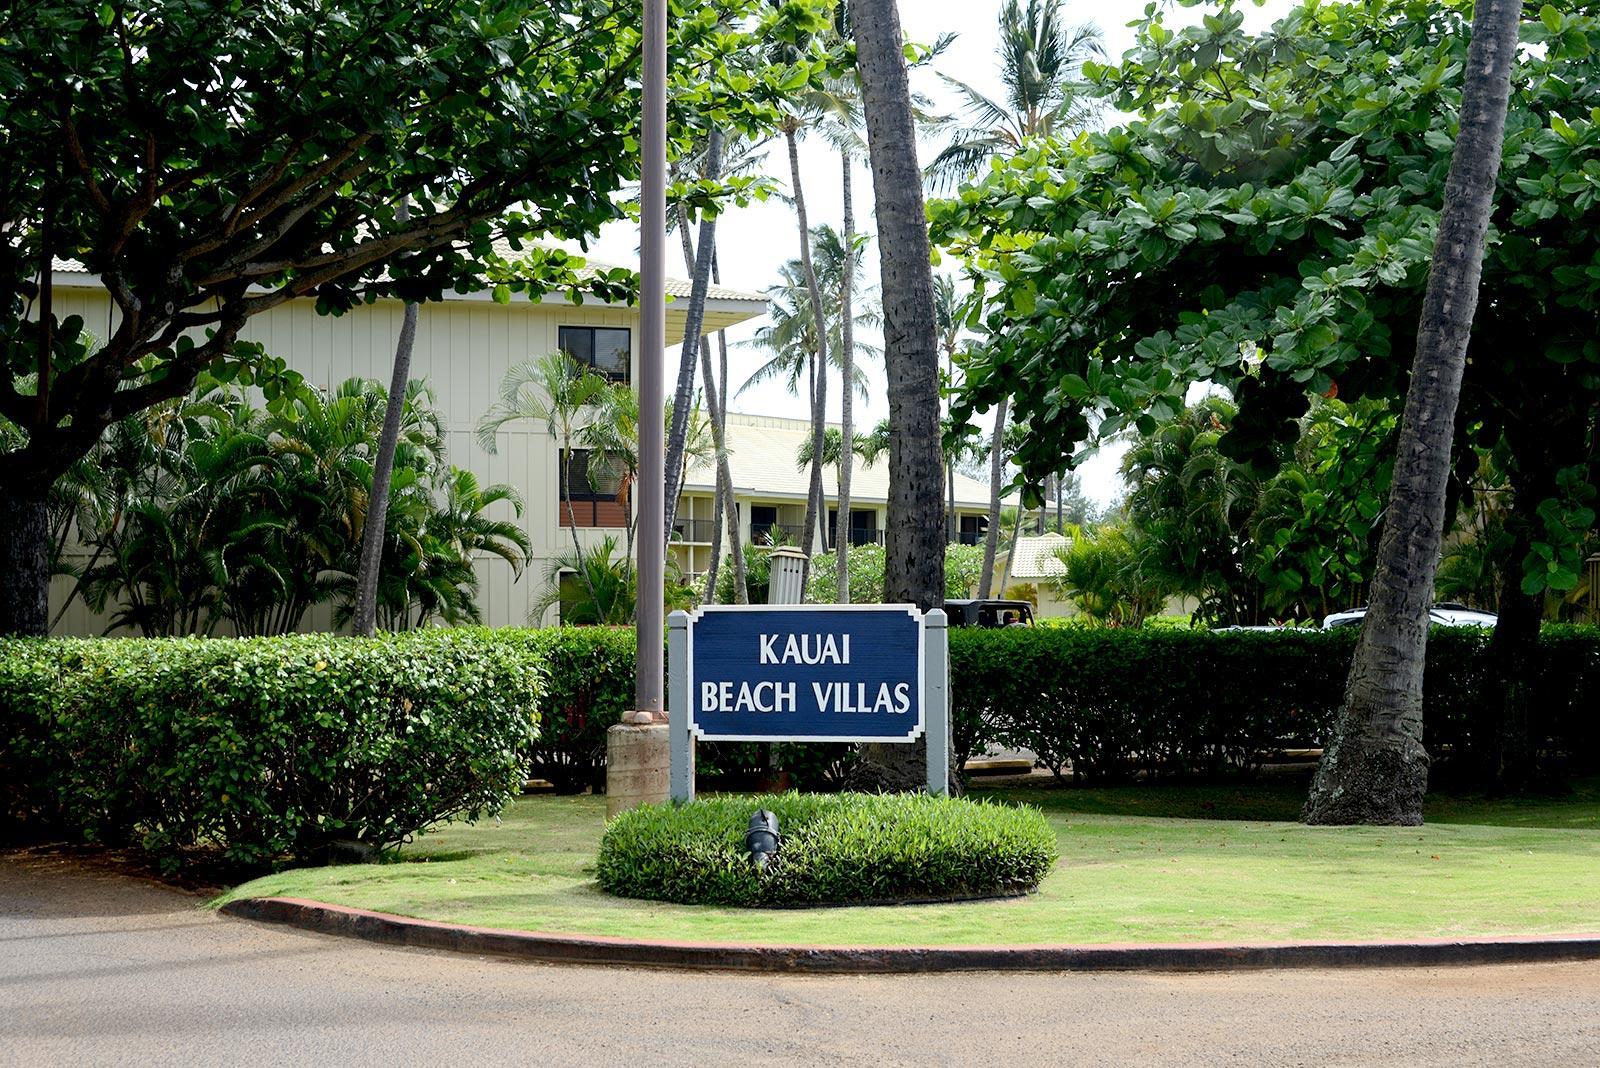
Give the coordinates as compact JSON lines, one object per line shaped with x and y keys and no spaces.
{"x":606,"y":349}
{"x":971,"y":529}
{"x":763,"y":518}
{"x":863,"y":526}
{"x":593,"y":489}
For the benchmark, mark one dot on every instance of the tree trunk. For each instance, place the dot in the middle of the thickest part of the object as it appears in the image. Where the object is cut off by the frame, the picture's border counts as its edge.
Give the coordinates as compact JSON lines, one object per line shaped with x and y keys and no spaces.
{"x":997,"y":468}
{"x":819,"y":320}
{"x":847,"y":374}
{"x":741,"y":592}
{"x":715,"y":400}
{"x":1011,"y":551}
{"x":914,"y":565}
{"x":1507,"y":753}
{"x":1375,"y":770}
{"x":24,"y":564}
{"x":694,"y":318}
{"x":951,"y":524}
{"x":365,"y":621}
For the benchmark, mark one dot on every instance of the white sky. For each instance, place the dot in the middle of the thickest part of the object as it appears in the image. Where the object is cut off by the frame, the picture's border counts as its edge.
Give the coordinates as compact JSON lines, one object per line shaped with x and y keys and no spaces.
{"x":754,"y":242}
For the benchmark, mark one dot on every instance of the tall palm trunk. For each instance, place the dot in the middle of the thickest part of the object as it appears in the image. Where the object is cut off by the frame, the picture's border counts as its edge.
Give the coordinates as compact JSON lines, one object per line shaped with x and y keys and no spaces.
{"x":997,"y":467}
{"x":847,"y":374}
{"x":716,"y":400}
{"x":1376,"y":769}
{"x":914,"y":555}
{"x":819,"y":321}
{"x":730,"y":506}
{"x":365,"y":620}
{"x":694,"y":318}
{"x":949,"y":465}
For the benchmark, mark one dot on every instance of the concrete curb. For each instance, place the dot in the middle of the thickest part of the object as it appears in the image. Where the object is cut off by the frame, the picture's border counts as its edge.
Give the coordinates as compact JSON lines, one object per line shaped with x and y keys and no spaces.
{"x":860,"y":960}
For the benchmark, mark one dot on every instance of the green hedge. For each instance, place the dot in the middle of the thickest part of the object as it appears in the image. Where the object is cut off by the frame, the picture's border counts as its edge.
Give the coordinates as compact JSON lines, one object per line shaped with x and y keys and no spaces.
{"x":1160,"y":700}
{"x":836,"y":849}
{"x":1114,"y":702}
{"x":264,"y":747}
{"x":589,"y":685}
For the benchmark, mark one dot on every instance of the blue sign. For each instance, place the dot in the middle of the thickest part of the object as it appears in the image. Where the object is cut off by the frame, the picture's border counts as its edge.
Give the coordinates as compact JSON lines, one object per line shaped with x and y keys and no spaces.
{"x":816,"y":673}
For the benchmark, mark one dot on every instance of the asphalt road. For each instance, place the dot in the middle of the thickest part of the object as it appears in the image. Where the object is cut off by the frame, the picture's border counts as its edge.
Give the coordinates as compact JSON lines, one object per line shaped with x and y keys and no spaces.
{"x":96,"y":968}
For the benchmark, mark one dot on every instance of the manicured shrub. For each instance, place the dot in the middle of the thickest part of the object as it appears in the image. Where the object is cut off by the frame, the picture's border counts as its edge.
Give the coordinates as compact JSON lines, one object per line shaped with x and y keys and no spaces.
{"x":259,"y":748}
{"x":589,"y":685}
{"x":836,"y":849}
{"x":1111,"y":702}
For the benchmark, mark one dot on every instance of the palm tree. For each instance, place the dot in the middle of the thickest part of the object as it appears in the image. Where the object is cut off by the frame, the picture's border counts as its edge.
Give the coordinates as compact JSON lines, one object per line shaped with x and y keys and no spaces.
{"x":799,"y":116}
{"x":997,"y":467}
{"x":556,"y":391}
{"x":695,"y":317}
{"x":1376,"y":769}
{"x":914,"y":554}
{"x":1040,"y":60}
{"x":790,"y":334}
{"x":739,"y":156}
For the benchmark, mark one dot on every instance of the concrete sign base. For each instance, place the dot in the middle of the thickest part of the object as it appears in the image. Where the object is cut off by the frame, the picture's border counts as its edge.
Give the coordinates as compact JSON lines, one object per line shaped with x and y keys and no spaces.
{"x":637,"y":766}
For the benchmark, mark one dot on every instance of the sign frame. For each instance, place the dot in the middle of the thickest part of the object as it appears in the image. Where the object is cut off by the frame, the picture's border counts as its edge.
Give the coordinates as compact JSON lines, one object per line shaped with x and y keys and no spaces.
{"x":920,"y":698}
{"x":933,"y":671}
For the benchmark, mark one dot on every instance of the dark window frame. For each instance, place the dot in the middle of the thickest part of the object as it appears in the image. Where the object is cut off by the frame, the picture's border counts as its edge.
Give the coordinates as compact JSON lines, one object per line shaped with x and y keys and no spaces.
{"x":625,"y":376}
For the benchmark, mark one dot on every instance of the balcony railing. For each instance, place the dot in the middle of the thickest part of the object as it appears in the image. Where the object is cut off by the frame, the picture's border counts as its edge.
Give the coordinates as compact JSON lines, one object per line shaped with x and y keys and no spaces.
{"x":693,"y":530}
{"x":778,"y":533}
{"x":865,"y":536}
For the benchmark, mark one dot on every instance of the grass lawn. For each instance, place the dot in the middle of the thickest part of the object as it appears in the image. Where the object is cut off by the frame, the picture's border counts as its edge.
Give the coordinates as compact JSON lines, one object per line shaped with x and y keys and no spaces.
{"x":1137,"y":864}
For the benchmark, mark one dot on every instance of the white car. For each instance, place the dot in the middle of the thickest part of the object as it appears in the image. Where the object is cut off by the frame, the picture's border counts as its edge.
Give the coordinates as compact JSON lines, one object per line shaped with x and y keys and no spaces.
{"x":1447,"y":614}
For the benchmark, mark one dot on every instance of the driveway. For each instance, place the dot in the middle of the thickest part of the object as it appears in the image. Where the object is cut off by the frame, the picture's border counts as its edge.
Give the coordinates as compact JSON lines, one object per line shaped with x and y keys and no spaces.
{"x":97,"y":968}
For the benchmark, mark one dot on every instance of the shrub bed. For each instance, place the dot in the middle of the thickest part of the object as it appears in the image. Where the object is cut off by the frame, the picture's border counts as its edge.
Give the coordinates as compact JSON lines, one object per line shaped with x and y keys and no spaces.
{"x":1110,"y":703}
{"x":836,"y":849}
{"x":589,"y":685}
{"x":1113,"y":702}
{"x":263,"y":747}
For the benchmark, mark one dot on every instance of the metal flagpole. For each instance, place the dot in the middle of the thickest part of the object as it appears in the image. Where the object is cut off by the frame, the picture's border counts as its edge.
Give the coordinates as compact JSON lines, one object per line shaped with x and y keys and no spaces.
{"x":651,"y":540}
{"x":637,"y":757}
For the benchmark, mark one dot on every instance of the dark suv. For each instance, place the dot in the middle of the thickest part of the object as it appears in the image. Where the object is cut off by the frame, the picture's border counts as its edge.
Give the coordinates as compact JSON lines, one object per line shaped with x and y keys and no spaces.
{"x":989,"y":613}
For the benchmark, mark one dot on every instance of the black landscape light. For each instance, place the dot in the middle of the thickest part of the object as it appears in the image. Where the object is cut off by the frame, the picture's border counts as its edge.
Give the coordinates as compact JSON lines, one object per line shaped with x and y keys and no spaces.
{"x":762,"y":838}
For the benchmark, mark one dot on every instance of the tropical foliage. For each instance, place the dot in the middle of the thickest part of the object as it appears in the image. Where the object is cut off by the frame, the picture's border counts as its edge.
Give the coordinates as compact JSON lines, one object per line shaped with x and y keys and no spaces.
{"x":580,"y":410}
{"x":790,"y":336}
{"x":1041,"y":61}
{"x":211,"y":511}
{"x":962,"y":564}
{"x":1268,"y":227}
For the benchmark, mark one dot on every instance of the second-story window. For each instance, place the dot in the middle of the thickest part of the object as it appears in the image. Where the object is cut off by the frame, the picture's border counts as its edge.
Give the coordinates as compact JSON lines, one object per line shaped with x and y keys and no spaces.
{"x":606,"y":349}
{"x":593,"y":492}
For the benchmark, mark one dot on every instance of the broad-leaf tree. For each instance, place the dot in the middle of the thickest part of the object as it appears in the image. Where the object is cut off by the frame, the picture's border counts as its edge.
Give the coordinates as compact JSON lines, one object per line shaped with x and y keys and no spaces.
{"x":1266,"y":221}
{"x":209,"y":160}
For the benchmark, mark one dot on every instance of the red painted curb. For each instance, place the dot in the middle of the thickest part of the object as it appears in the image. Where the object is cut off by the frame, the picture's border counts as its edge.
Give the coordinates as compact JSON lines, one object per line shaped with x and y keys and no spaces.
{"x":844,"y":960}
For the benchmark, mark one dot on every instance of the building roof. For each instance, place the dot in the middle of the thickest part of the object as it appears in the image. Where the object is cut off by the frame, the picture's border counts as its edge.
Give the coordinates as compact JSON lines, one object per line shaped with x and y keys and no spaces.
{"x":761,"y":459}
{"x":676,"y":287}
{"x":1034,"y":557}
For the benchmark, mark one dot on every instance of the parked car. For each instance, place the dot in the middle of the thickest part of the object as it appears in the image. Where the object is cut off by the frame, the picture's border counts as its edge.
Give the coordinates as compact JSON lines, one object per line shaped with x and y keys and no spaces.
{"x":1445,"y":614}
{"x":989,"y":613}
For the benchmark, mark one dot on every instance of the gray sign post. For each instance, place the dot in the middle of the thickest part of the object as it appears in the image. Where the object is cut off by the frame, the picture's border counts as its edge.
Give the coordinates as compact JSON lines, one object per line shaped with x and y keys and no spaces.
{"x":802,"y":667}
